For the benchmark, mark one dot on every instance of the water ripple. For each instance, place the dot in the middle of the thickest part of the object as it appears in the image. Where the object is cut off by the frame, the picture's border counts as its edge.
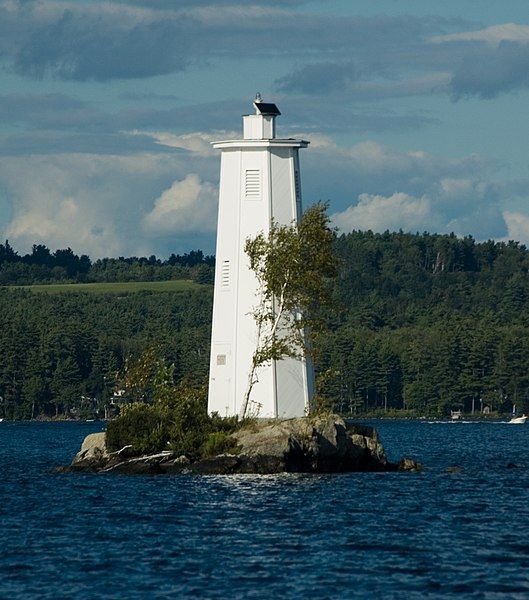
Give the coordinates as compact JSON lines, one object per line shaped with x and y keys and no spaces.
{"x":390,"y":535}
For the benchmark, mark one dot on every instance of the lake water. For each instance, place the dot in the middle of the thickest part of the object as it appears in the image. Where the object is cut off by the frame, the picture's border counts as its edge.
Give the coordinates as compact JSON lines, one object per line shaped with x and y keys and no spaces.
{"x":390,"y":535}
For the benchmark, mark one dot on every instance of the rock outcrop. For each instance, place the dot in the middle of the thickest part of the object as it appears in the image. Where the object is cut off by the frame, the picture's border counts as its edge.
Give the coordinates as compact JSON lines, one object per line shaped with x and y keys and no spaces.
{"x":305,"y":445}
{"x":93,"y":450}
{"x":316,"y":445}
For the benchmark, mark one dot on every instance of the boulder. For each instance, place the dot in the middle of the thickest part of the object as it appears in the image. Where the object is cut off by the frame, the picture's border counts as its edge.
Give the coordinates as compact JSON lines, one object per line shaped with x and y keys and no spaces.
{"x":269,"y":447}
{"x":93,"y":452}
{"x":321,"y":444}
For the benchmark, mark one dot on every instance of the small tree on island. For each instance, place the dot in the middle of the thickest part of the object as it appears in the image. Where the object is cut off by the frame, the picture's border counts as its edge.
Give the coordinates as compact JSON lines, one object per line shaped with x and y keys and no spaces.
{"x":293,"y":265}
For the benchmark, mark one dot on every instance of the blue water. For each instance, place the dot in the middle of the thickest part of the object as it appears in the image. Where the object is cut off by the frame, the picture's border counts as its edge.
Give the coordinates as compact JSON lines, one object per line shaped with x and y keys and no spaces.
{"x":392,"y":535}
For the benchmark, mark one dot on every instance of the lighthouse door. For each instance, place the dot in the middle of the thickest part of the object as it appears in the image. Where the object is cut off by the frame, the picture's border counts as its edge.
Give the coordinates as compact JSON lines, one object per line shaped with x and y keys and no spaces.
{"x":222,"y":374}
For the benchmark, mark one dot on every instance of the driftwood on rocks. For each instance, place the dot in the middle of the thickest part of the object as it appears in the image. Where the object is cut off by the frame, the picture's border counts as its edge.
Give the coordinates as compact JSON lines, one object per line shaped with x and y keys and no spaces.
{"x":305,"y":445}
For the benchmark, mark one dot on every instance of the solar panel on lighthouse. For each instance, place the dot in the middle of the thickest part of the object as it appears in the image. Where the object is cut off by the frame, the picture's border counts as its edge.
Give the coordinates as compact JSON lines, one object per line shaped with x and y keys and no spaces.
{"x":259,"y":181}
{"x":266,"y":108}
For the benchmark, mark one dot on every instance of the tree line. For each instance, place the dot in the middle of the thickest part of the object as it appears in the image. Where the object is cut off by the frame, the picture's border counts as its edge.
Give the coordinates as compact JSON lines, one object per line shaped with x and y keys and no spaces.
{"x":421,"y":322}
{"x":41,"y":265}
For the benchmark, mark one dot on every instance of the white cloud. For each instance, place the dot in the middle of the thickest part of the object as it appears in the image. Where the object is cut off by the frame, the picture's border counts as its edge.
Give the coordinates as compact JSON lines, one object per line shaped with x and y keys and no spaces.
{"x":507,"y":32}
{"x":517,"y":226}
{"x":50,"y":223}
{"x":188,"y":205}
{"x":452,"y":205}
{"x":341,"y":174}
{"x":196,"y":142}
{"x":371,"y":157}
{"x":145,"y":203}
{"x":378,"y":213}
{"x":94,"y":204}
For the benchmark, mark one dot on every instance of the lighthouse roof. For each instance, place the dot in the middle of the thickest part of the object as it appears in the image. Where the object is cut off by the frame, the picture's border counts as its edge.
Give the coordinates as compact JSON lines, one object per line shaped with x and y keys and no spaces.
{"x":266,"y":108}
{"x":259,"y":130}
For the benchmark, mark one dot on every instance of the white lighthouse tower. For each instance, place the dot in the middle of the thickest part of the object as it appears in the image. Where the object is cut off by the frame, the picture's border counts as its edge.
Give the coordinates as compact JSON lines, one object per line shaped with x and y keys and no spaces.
{"x":259,"y":181}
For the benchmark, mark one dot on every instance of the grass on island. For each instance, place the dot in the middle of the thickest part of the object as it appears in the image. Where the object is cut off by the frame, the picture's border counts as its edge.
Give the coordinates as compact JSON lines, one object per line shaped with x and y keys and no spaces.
{"x":177,"y":285}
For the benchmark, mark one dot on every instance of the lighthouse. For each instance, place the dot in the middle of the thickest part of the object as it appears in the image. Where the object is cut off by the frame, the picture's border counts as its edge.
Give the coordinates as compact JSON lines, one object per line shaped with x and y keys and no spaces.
{"x":259,"y":182}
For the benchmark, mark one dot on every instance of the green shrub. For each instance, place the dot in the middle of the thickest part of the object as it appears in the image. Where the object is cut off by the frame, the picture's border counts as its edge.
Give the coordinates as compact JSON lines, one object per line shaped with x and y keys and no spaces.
{"x":189,"y":420}
{"x":176,"y":418}
{"x":219,"y":442}
{"x":227,"y":424}
{"x":143,"y":426}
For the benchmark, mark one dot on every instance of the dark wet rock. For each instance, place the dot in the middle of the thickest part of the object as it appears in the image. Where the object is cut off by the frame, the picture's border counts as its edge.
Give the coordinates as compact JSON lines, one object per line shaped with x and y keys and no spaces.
{"x":408,"y":464}
{"x":454,"y":469}
{"x":173,"y":465}
{"x":512,"y":465}
{"x":224,"y":464}
{"x":320,"y":444}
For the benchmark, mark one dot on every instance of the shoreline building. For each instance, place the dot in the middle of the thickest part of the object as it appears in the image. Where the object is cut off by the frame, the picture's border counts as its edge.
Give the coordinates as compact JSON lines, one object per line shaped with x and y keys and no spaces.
{"x":259,"y":181}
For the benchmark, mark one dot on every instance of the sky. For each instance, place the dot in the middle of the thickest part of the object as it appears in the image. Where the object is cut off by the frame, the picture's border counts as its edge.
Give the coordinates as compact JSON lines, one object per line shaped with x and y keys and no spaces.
{"x":416,"y":110}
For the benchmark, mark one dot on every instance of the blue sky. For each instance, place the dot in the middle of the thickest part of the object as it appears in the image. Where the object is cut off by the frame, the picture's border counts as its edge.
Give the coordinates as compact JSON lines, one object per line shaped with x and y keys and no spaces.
{"x":416,"y":111}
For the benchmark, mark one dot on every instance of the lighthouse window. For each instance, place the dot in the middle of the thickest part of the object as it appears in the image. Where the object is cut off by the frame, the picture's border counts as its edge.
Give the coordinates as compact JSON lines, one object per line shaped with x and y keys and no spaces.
{"x":225,"y":275}
{"x":252,"y":182}
{"x":221,"y":359}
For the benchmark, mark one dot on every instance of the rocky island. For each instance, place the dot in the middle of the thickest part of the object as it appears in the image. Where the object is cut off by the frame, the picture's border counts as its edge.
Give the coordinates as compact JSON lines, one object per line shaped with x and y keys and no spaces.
{"x":318,"y":444}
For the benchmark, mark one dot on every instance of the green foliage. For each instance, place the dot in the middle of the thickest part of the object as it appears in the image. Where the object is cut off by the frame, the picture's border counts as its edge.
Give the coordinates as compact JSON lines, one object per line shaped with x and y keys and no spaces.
{"x":428,"y":323}
{"x":321,"y":402}
{"x":145,"y":377}
{"x":228,"y":424}
{"x":172,"y":417}
{"x":293,"y":265}
{"x":422,"y":322}
{"x":141,"y":426}
{"x":190,"y":423}
{"x":219,"y":442}
{"x":61,"y":353}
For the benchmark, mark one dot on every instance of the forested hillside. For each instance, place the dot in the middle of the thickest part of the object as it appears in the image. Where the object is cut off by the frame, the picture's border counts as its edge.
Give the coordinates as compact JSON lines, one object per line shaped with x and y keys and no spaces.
{"x":429,"y":322}
{"x":60,"y":352}
{"x":424,"y":322}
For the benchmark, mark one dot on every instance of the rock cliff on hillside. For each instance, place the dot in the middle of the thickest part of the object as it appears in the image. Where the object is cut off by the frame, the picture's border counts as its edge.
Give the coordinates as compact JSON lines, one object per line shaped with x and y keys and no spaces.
{"x":304,"y":445}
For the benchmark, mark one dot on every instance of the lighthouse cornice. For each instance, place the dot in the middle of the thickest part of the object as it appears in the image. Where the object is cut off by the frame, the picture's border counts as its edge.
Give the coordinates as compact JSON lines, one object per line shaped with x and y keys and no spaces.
{"x":274,"y":142}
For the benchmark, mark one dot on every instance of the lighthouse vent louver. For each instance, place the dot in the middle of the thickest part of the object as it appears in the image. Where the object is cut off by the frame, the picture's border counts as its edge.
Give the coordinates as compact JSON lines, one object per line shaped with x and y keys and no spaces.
{"x":225,"y":275}
{"x":252,"y":184}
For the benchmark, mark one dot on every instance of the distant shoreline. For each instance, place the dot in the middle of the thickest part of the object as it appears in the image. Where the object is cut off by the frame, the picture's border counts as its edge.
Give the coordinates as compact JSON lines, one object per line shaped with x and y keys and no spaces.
{"x":366,"y":417}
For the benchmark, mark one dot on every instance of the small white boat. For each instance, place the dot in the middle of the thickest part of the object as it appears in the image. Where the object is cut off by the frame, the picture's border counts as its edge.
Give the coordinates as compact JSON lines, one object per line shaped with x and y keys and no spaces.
{"x":518,"y":420}
{"x":456,"y":415}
